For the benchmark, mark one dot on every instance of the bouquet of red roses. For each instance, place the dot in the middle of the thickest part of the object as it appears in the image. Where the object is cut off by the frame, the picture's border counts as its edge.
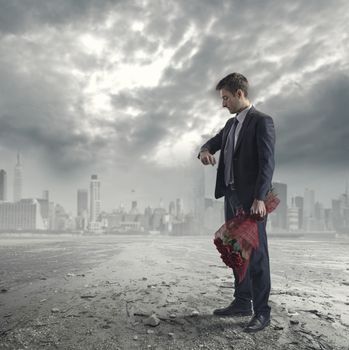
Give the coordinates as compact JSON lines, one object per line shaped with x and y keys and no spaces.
{"x":237,"y":238}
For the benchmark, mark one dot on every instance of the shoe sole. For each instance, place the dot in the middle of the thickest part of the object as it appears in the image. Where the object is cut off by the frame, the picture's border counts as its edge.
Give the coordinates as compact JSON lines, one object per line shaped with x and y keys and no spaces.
{"x":247,"y":330}
{"x":238,"y":314}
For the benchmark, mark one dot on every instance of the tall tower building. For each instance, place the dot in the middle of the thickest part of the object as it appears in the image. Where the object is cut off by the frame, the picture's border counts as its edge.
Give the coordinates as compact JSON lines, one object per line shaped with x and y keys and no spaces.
{"x":309,"y":209}
{"x":82,"y":209}
{"x":17,"y":184}
{"x":179,"y":207}
{"x":82,"y":202}
{"x":299,"y":203}
{"x":95,"y":198}
{"x":293,"y":217}
{"x":3,"y":185}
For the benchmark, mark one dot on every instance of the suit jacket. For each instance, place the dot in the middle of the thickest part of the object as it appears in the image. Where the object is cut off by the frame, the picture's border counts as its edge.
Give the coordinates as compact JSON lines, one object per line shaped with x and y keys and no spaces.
{"x":253,"y":159}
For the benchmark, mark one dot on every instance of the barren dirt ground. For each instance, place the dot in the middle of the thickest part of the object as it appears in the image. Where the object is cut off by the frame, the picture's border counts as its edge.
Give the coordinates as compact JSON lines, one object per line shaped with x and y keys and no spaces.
{"x":85,"y":292}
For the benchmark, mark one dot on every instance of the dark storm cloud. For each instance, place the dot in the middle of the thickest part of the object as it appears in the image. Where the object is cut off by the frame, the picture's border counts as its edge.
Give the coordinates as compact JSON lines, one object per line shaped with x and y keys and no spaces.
{"x":42,"y":102}
{"x":34,"y":115}
{"x":18,"y":16}
{"x":312,"y":123}
{"x":289,"y":44}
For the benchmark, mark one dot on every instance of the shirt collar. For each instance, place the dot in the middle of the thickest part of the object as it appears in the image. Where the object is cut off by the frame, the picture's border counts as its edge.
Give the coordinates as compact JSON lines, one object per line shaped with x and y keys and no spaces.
{"x":241,"y":116}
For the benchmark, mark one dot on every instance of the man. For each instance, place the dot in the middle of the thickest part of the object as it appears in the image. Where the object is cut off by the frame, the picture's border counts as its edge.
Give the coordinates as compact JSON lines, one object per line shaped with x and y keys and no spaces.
{"x":244,"y":176}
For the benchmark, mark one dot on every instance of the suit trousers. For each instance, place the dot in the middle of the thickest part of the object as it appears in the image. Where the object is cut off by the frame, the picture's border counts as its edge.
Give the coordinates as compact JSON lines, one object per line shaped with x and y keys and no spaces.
{"x":255,"y":286}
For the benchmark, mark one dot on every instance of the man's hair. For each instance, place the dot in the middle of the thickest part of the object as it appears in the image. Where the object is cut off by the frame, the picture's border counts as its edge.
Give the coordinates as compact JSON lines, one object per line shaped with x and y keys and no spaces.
{"x":232,"y":82}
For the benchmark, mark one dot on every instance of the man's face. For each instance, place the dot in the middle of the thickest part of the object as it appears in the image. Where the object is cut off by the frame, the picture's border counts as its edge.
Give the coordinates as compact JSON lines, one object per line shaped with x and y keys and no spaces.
{"x":231,"y":101}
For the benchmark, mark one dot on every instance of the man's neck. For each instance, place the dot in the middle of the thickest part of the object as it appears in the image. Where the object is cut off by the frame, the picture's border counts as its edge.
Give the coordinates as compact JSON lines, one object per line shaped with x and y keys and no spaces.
{"x":245,"y":105}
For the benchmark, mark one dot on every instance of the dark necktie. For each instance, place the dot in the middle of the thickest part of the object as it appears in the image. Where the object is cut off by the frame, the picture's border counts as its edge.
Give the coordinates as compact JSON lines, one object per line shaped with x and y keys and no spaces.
{"x":228,"y":155}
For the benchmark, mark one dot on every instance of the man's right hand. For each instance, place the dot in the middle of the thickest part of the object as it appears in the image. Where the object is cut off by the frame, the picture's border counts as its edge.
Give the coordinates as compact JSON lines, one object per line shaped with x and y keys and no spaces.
{"x":207,"y":158}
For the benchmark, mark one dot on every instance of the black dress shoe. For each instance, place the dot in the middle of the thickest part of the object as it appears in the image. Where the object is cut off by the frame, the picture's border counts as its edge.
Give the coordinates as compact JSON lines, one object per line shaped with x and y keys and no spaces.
{"x":233,"y":310}
{"x":257,"y":323}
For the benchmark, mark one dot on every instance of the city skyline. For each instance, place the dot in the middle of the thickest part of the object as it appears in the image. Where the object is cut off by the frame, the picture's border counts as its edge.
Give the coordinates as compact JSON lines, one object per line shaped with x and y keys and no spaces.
{"x":149,"y":200}
{"x":202,"y":213}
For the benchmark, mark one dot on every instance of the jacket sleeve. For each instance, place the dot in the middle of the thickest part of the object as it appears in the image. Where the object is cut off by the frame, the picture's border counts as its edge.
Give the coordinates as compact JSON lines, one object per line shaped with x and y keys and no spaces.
{"x":265,"y":135}
{"x":213,"y":145}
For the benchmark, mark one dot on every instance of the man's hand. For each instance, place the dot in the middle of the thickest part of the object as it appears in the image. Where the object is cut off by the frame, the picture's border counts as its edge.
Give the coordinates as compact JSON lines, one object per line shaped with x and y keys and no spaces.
{"x":207,"y":158}
{"x":258,"y":208}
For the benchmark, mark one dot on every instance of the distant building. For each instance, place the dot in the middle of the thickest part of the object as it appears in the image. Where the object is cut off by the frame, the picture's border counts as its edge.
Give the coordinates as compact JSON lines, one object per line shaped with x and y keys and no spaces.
{"x":21,"y":215}
{"x":44,"y":211}
{"x":179,"y":207}
{"x":299,"y":203}
{"x":3,"y":185}
{"x":156,"y":221}
{"x":95,"y":198}
{"x":336,"y":215}
{"x":293,"y":217}
{"x":309,"y":221}
{"x":51,"y":215}
{"x":166,"y":223}
{"x":340,"y":213}
{"x":82,"y":218}
{"x":18,"y":180}
{"x":344,"y":198}
{"x":114,"y":220}
{"x":328,"y":220}
{"x":63,"y":221}
{"x":185,"y":226}
{"x":126,"y":222}
{"x":148,"y":211}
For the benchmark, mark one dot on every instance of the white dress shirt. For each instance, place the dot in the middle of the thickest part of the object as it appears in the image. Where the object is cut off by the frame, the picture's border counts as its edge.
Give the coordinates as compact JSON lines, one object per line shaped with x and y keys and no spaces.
{"x":240,"y":117}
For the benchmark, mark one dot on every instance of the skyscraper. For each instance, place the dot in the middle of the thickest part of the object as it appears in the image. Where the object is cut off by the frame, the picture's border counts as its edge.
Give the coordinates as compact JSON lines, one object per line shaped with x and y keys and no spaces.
{"x":309,"y":209}
{"x":17,"y":183}
{"x":293,"y":217}
{"x":3,"y":185}
{"x":95,"y":198}
{"x":179,"y":207}
{"x":82,"y":209}
{"x":299,"y":203}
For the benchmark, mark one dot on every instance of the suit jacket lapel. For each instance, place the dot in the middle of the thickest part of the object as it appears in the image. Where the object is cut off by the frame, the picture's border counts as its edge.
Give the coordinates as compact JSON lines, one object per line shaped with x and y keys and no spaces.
{"x":244,"y":127}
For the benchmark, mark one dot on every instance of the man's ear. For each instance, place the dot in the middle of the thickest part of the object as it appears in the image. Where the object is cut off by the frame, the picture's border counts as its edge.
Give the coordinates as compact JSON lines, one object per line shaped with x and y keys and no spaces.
{"x":239,"y":93}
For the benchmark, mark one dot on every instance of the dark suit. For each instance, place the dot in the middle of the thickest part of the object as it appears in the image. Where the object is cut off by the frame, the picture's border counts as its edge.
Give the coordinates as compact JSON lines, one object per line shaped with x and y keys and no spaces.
{"x":253,"y":167}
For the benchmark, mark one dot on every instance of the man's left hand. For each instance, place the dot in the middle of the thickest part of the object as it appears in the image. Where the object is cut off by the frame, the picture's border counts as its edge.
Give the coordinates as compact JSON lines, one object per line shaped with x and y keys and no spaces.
{"x":258,"y":207}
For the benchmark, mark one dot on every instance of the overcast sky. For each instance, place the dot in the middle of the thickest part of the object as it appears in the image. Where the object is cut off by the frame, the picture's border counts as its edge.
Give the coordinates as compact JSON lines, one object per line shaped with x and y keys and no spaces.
{"x":125,"y":90}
